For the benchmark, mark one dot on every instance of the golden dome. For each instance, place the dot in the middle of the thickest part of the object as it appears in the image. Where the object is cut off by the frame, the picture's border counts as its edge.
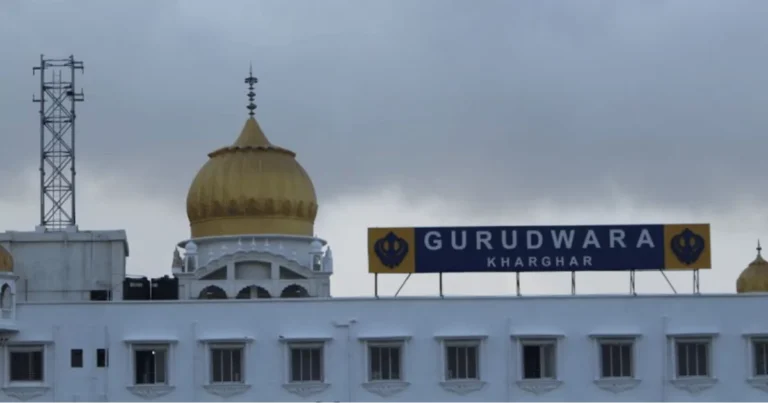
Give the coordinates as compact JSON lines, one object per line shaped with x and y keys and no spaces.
{"x":251,"y":187}
{"x":6,"y":260}
{"x":755,"y":277}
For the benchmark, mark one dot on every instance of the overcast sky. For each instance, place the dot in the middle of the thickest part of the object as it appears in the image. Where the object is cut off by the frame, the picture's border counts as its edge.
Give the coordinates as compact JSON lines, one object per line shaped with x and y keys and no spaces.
{"x":428,"y":112}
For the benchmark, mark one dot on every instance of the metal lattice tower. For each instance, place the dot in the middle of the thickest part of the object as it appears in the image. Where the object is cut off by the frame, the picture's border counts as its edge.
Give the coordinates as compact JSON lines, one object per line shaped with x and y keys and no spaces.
{"x":57,"y":141}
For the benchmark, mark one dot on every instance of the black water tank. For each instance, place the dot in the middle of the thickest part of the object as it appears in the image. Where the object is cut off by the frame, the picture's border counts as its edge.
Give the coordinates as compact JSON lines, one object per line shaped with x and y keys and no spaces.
{"x":100,"y":295}
{"x":165,"y":288}
{"x":136,"y":289}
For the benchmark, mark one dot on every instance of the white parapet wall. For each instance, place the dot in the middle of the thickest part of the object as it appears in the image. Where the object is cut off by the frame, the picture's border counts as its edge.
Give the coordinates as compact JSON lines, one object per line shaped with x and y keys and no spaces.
{"x":66,"y":266}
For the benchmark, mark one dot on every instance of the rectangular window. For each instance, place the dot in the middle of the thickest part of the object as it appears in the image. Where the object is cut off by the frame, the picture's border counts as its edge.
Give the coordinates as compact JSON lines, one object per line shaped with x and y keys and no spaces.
{"x":760,"y":354}
{"x":462,"y":360}
{"x":150,"y":365}
{"x":227,"y":364}
{"x":26,"y":364}
{"x":76,"y":358}
{"x":616,"y":359}
{"x":539,"y":359}
{"x":101,"y":358}
{"x":384,"y":361}
{"x":692,"y":358}
{"x":306,"y":363}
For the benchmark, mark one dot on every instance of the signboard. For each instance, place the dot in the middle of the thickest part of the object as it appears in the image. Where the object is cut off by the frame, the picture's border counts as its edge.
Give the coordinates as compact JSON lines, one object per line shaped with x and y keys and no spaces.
{"x":539,"y":248}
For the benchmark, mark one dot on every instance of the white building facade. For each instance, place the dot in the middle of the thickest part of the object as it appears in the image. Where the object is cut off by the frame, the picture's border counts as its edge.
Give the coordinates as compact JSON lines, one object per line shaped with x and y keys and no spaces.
{"x":248,"y":316}
{"x":600,"y":348}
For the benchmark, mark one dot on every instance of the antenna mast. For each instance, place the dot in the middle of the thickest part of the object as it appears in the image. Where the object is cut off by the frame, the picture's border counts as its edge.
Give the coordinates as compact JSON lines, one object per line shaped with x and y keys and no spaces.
{"x":57,"y":141}
{"x":251,"y":80}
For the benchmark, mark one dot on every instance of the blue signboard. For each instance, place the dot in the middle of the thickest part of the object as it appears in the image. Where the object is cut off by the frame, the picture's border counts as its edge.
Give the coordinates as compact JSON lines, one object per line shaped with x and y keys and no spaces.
{"x":539,"y":248}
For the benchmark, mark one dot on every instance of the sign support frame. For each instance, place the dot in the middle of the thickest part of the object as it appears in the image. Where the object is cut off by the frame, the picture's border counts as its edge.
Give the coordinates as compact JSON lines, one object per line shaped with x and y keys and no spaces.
{"x":573,"y":283}
{"x":696,"y":288}
{"x":376,"y":285}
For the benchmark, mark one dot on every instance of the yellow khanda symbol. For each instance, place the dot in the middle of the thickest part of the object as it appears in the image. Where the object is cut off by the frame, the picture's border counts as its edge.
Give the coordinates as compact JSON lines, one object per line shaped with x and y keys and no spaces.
{"x":391,"y":250}
{"x":687,"y":246}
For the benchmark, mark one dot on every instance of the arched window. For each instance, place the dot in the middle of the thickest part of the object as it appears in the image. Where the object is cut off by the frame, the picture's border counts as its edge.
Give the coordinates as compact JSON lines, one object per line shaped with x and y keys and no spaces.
{"x":6,"y":299}
{"x":294,"y":291}
{"x":253,"y":291}
{"x":212,"y":292}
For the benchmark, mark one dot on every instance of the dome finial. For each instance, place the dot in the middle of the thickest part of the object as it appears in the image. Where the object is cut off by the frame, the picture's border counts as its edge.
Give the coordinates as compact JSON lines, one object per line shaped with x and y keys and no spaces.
{"x":759,"y":248}
{"x":251,"y":80}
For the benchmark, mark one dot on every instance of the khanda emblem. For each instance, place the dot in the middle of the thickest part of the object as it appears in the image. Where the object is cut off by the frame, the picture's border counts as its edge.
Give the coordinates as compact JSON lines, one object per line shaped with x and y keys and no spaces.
{"x":687,"y":246}
{"x":391,"y":250}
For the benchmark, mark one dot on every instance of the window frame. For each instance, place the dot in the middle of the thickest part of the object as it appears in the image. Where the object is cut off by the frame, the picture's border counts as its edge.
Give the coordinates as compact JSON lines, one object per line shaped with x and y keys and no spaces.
{"x":752,"y":340}
{"x":166,"y":346}
{"x":10,"y":348}
{"x":385,"y":343}
{"x":539,"y":341}
{"x":616,"y":384}
{"x":708,"y":340}
{"x":631,"y":341}
{"x":469,"y":341}
{"x":305,"y":344}
{"x":520,"y":339}
{"x":227,"y":345}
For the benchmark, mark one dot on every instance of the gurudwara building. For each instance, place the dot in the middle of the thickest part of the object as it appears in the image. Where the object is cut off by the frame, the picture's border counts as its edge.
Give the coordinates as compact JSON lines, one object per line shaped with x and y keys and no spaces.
{"x":246,"y":314}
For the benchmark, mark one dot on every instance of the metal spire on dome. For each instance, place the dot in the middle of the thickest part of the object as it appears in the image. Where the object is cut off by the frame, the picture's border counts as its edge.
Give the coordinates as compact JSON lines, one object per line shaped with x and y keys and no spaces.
{"x":251,"y":80}
{"x":759,"y":248}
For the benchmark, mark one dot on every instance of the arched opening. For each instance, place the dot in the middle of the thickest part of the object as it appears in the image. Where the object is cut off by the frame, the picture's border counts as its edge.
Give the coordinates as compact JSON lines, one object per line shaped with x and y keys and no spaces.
{"x":253,"y":291}
{"x":212,"y":292}
{"x":294,"y":291}
{"x":6,"y":301}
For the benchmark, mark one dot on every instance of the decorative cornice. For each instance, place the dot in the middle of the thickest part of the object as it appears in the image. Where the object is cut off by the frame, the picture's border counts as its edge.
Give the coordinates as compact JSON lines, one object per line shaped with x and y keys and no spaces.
{"x":759,"y":383}
{"x":7,"y":325}
{"x":242,"y":254}
{"x":386,"y":388}
{"x":617,"y":385}
{"x":227,"y":389}
{"x":306,"y":389}
{"x":539,"y":386}
{"x":150,"y":392}
{"x":694,"y":385}
{"x":25,"y":393}
{"x":463,"y":387}
{"x":267,"y":207}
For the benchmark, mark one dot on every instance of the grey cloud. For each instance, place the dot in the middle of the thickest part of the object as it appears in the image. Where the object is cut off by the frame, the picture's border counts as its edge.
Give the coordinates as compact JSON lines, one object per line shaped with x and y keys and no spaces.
{"x":485,"y":102}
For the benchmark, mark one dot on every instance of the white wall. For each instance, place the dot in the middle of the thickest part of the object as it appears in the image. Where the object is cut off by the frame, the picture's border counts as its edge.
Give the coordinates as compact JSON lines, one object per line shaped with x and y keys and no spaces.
{"x":94,"y":325}
{"x":65,"y":266}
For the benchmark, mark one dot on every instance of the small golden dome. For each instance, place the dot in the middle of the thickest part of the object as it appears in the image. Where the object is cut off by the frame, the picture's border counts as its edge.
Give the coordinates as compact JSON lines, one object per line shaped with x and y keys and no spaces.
{"x":251,"y":187}
{"x":6,"y":260}
{"x":755,"y":277}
